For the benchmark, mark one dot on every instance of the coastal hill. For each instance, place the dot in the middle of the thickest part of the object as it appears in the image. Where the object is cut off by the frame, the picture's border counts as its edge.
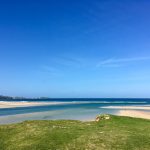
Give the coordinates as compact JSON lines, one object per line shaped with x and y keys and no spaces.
{"x":123,"y":133}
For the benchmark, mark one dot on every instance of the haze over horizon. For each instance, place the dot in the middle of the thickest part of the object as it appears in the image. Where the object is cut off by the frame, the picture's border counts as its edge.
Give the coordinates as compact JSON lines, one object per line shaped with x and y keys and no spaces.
{"x":82,"y":48}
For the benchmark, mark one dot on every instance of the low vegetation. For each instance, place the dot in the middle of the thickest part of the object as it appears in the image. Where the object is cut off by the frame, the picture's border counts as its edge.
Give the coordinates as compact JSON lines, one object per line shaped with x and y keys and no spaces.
{"x":115,"y":133}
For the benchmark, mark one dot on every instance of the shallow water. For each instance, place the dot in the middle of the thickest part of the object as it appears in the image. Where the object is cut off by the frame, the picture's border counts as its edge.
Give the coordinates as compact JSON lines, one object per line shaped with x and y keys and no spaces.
{"x":78,"y":109}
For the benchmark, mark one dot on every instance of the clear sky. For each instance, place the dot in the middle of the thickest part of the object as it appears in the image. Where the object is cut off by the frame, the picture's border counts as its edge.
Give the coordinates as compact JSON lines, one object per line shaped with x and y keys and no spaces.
{"x":80,"y":48}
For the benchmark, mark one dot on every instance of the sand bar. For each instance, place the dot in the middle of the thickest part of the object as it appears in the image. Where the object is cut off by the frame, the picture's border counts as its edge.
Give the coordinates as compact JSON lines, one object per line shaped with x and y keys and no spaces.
{"x":12,"y":104}
{"x":8,"y":104}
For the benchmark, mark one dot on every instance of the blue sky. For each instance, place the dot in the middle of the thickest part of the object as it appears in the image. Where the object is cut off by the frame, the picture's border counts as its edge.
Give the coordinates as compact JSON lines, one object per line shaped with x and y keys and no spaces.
{"x":82,"y":48}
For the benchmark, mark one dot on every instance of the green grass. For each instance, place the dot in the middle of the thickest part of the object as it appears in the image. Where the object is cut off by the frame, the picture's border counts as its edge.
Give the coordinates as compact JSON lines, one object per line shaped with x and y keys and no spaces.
{"x":118,"y":133}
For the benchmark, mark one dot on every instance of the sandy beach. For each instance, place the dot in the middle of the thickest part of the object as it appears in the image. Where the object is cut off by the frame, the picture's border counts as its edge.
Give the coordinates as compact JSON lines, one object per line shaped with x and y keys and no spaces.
{"x":134,"y":113}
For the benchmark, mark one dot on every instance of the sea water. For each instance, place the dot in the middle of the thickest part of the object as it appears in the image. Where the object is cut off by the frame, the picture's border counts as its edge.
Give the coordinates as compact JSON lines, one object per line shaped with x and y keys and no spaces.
{"x":74,"y":109}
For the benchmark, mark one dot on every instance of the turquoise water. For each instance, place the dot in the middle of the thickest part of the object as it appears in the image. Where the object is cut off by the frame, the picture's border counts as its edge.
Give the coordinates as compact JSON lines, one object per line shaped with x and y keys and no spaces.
{"x":78,"y":109}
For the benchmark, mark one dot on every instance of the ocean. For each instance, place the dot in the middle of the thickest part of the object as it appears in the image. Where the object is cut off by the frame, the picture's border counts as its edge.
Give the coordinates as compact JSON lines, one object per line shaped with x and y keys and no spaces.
{"x":74,"y":108}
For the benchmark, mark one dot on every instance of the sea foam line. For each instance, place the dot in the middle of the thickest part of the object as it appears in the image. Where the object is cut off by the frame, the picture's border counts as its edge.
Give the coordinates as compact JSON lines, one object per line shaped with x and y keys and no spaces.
{"x":145,"y":107}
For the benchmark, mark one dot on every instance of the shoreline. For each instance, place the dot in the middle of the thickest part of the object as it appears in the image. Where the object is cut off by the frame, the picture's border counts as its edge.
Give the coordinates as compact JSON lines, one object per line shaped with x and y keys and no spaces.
{"x":48,"y":115}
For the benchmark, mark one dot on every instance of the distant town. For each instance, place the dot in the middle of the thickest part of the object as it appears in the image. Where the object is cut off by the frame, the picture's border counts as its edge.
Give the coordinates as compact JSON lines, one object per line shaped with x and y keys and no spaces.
{"x":2,"y":97}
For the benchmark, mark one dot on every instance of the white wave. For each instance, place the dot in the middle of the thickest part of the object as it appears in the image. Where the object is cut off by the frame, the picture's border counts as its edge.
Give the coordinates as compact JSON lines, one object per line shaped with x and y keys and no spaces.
{"x":145,"y":107}
{"x":103,"y":102}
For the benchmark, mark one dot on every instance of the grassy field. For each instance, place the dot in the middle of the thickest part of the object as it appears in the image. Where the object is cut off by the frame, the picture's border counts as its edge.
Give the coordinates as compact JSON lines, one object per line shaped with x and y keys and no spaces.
{"x":118,"y":133}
